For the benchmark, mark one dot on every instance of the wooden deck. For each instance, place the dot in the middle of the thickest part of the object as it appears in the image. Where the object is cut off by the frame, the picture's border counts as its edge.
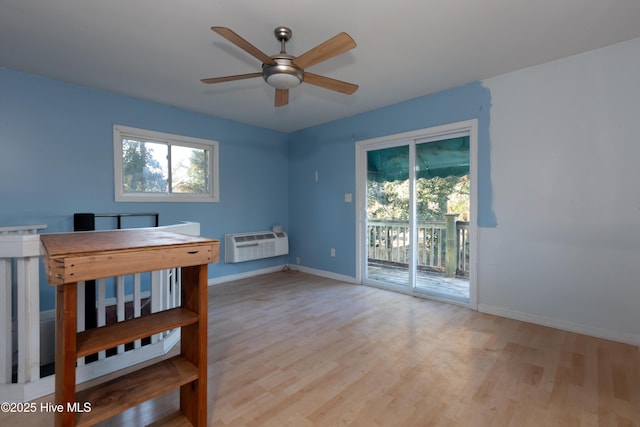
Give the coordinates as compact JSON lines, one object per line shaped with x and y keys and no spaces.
{"x":428,"y":282}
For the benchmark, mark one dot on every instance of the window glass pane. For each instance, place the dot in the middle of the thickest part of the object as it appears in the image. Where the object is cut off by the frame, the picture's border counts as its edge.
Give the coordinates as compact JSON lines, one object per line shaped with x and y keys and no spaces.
{"x":189,"y":170}
{"x":156,"y":166}
{"x":144,"y":167}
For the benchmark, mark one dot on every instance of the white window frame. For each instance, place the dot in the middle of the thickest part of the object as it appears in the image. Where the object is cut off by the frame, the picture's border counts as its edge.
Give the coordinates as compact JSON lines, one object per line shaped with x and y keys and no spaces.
{"x":124,"y":132}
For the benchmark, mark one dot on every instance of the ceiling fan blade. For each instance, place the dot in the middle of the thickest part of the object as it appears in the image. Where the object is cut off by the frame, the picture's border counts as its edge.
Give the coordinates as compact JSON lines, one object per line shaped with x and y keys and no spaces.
{"x":244,"y":45}
{"x":282,"y":97}
{"x":329,"y":83}
{"x":332,"y":47}
{"x":230,"y":78}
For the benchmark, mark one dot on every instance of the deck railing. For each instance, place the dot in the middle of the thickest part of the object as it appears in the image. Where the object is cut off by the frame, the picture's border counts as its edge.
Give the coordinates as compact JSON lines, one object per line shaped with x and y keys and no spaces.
{"x":462,"y":248}
{"x":24,"y":330}
{"x":20,"y":304}
{"x":388,"y":242}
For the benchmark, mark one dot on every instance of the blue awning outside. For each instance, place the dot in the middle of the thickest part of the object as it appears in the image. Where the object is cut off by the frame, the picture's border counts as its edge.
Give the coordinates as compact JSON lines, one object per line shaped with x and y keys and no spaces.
{"x":448,"y":157}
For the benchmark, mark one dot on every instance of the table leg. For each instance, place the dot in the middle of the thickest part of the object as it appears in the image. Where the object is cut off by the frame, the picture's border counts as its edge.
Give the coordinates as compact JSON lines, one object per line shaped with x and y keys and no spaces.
{"x":66,"y":329}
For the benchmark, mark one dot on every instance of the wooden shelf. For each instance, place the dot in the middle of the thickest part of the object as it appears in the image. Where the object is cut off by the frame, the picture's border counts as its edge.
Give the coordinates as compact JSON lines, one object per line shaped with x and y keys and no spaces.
{"x":125,"y":392}
{"x":95,"y":340}
{"x":73,"y":257}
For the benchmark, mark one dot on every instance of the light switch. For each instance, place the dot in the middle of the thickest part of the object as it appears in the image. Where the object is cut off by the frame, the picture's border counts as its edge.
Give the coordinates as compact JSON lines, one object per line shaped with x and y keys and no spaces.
{"x":348,"y":198}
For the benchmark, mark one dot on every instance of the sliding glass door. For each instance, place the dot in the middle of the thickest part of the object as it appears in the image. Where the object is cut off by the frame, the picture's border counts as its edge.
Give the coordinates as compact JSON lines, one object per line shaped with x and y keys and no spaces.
{"x":388,"y":213}
{"x":442,"y":200}
{"x":415,"y":199}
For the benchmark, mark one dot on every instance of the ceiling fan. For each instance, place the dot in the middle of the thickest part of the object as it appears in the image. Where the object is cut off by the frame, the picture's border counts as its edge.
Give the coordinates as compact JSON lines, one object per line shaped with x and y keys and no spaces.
{"x":283,"y":71}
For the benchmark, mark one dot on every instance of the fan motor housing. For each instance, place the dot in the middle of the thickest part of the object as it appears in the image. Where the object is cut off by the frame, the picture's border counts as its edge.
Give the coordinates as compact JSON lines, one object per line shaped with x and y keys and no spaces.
{"x":284,"y":75}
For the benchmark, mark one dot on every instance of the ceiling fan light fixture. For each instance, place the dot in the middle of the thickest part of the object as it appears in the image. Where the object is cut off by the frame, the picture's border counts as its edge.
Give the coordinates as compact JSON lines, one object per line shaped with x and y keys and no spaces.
{"x":283,"y":81}
{"x":283,"y":75}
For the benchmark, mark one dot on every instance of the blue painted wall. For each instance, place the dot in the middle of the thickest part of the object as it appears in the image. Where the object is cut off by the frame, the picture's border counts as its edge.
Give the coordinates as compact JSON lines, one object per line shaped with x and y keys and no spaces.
{"x":56,"y":158}
{"x":319,"y":217}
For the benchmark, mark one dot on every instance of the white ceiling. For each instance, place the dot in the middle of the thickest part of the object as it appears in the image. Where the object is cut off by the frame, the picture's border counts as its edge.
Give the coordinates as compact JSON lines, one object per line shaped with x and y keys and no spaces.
{"x":160,"y":49}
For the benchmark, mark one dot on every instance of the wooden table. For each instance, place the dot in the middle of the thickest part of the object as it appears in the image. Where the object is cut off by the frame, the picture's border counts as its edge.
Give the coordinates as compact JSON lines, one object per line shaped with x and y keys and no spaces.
{"x":73,"y":257}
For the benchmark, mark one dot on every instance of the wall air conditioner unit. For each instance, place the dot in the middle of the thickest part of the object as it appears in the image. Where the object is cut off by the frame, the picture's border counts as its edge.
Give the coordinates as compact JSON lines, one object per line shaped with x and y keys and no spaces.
{"x":239,"y":247}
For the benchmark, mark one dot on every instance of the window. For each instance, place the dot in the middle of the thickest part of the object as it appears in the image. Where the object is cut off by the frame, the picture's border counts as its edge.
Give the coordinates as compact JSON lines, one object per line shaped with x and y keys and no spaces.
{"x":154,"y":166}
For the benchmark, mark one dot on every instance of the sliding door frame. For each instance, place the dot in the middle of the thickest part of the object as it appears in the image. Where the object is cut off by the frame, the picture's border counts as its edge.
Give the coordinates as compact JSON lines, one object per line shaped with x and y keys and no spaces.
{"x":464,"y":128}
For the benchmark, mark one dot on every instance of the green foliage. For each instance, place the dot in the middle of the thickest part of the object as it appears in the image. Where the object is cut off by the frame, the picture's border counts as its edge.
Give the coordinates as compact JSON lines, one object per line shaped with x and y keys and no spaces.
{"x":435,"y":197}
{"x":141,"y":172}
{"x":196,"y":177}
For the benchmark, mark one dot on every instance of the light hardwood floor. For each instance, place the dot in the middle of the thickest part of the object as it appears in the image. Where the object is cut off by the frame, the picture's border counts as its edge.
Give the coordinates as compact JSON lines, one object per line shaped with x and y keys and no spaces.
{"x":290,"y":349}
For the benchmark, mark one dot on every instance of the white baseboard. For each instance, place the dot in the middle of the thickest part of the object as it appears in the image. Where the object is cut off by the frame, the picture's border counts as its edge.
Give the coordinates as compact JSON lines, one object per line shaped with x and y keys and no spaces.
{"x":244,"y":275}
{"x":254,"y":273}
{"x":323,"y":273}
{"x":561,"y":324}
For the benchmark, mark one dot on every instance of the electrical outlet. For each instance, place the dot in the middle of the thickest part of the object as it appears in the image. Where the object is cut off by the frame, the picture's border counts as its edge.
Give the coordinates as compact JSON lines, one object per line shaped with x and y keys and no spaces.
{"x":333,"y":251}
{"x":298,"y":260}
